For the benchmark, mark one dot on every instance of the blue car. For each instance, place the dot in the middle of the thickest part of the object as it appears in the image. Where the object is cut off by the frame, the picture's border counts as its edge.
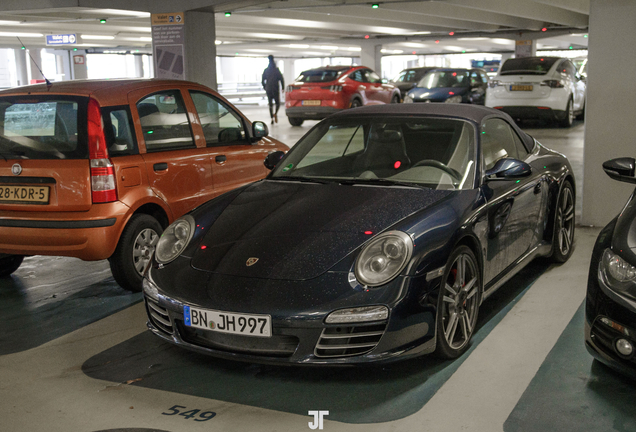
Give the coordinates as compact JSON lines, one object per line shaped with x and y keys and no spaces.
{"x":450,"y":86}
{"x":375,"y":238}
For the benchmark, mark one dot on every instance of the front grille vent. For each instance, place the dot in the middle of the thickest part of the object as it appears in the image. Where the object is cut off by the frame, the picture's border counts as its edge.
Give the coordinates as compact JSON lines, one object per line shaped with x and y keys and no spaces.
{"x":159,"y":317}
{"x":349,"y":340}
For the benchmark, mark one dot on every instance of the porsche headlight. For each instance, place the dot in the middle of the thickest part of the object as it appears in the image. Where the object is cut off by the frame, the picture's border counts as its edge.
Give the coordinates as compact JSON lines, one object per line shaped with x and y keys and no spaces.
{"x":383,"y":258}
{"x":408,"y":98}
{"x":617,"y":273}
{"x":454,"y":99}
{"x":175,"y":239}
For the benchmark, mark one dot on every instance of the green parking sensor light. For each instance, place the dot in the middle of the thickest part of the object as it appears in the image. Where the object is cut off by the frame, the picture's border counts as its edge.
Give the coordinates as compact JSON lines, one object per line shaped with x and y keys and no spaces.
{"x":375,"y":5}
{"x":102,"y":21}
{"x":227,"y":14}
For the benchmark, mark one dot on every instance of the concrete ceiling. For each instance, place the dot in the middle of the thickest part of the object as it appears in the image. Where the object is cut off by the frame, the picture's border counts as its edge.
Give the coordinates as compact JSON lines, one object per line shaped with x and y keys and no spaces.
{"x":309,"y":28}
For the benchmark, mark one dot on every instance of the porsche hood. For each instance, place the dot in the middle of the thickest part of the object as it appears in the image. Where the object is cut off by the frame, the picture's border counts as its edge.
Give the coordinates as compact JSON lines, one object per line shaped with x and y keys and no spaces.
{"x":297,"y":231}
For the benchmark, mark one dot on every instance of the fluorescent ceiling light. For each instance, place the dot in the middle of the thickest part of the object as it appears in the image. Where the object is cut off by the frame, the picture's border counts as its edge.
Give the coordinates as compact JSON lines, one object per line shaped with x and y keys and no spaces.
{"x":328,"y":47}
{"x":9,"y":22}
{"x":118,"y":12}
{"x":257,"y":50}
{"x":145,"y":39}
{"x":453,"y":48}
{"x":472,"y":39}
{"x":351,"y":49}
{"x":271,"y":36}
{"x":424,"y":32}
{"x":218,"y":42}
{"x":97,"y":37}
{"x":500,"y":41}
{"x":300,"y":46}
{"x":12,"y":34}
{"x":388,"y":51}
{"x":413,"y":45}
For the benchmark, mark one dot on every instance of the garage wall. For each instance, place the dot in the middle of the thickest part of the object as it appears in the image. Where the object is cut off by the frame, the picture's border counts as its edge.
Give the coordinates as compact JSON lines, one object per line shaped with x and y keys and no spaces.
{"x":610,"y":118}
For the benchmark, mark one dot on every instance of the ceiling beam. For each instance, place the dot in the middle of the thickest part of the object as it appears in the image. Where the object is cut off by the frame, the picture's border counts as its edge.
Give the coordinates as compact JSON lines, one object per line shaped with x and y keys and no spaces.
{"x":528,"y":9}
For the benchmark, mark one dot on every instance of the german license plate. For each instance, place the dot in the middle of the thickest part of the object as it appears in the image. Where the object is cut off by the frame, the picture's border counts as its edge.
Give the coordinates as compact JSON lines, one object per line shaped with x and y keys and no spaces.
{"x":228,"y":322}
{"x":24,"y":194}
{"x":521,"y":88}
{"x":311,"y":102}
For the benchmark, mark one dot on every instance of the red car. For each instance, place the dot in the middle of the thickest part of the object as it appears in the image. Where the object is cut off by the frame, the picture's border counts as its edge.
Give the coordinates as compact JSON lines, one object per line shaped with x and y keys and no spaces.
{"x":317,"y":93}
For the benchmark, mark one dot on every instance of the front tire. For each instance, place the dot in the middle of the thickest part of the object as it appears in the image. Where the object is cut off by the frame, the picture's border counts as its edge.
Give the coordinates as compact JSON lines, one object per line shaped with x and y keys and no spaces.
{"x":395,"y":99}
{"x":356,"y":103}
{"x":295,"y":121}
{"x":563,"y":236}
{"x":9,"y":264}
{"x":134,"y":250}
{"x":458,"y":303}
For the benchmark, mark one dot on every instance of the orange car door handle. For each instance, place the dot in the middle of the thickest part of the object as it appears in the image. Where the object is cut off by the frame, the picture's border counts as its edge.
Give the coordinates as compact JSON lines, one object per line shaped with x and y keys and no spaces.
{"x":160,"y":166}
{"x":220,"y":158}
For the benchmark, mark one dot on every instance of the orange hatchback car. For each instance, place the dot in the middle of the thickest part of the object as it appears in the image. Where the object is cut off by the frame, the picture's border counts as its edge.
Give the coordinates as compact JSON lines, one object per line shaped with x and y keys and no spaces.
{"x":97,"y":169}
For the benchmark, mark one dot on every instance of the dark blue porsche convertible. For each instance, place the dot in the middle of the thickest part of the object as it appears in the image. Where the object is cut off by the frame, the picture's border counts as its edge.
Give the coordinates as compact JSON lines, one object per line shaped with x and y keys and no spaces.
{"x":374,"y":239}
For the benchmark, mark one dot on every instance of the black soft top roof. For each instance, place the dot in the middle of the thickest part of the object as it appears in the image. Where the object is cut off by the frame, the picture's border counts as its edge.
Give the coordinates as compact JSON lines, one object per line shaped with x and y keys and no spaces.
{"x":474,"y":113}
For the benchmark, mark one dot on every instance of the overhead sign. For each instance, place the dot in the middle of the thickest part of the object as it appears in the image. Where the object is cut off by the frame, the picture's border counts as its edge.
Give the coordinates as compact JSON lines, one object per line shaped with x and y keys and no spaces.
{"x":61,"y":39}
{"x":168,"y":19}
{"x":168,"y":40}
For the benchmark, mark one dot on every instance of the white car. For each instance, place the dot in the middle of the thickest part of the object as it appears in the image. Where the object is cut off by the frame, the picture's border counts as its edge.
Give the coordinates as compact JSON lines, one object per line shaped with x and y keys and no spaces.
{"x":538,"y":87}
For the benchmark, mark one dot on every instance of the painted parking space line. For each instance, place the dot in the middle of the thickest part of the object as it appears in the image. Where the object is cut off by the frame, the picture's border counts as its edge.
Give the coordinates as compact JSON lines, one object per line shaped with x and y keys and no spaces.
{"x":572,"y":391}
{"x":49,"y":297}
{"x":480,"y":396}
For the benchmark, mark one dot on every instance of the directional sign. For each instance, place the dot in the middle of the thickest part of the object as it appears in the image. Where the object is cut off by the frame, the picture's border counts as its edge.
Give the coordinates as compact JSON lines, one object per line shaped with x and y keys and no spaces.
{"x":62,"y":39}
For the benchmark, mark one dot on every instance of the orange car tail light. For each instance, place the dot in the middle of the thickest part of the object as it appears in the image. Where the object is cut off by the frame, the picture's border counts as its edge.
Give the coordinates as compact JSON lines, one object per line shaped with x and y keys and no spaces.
{"x":102,"y":170}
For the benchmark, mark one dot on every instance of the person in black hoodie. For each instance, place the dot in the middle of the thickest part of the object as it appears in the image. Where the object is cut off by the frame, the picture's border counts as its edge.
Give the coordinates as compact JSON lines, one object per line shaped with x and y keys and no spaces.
{"x":271,"y":77}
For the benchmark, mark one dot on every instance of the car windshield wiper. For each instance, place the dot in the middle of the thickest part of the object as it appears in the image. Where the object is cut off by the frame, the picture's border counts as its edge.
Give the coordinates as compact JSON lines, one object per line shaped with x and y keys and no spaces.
{"x":301,"y":179}
{"x":12,"y":155}
{"x":382,"y":182}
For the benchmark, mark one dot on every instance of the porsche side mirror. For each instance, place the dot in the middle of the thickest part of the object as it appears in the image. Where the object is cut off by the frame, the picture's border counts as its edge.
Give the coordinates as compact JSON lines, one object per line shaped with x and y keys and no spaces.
{"x":621,"y":169}
{"x":508,"y":169}
{"x":259,"y":130}
{"x":272,"y":159}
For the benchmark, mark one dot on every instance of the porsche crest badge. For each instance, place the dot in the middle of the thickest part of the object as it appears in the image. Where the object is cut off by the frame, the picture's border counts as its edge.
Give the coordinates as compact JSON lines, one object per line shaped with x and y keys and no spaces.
{"x":251,"y":261}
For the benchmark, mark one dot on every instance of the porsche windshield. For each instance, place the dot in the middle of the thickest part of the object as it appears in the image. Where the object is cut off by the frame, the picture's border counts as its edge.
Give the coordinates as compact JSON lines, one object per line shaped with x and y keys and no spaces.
{"x":431,"y":152}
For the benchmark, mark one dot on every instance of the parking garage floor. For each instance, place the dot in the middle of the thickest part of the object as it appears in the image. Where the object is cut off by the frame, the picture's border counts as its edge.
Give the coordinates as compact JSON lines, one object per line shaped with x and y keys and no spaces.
{"x":75,"y":355}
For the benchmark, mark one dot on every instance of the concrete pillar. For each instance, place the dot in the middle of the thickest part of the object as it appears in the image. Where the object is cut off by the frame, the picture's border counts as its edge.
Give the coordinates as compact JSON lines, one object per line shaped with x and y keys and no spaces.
{"x":36,"y":64}
{"x":21,"y":66}
{"x":200,"y":49}
{"x":80,"y":72}
{"x":151,"y":67}
{"x":289,"y":74}
{"x":609,"y":113}
{"x":371,"y":55}
{"x":139,"y":66}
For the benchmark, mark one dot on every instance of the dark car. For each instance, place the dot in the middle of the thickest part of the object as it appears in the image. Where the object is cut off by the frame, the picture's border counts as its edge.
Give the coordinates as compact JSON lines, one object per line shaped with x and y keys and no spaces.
{"x":450,"y":86}
{"x":610,"y":306}
{"x":317,"y":93}
{"x":375,"y":238}
{"x":408,"y":78}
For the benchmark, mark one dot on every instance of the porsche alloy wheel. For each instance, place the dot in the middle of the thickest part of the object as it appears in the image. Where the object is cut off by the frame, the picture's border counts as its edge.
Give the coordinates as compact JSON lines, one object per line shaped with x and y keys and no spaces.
{"x":458,"y":303}
{"x":564,"y":225}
